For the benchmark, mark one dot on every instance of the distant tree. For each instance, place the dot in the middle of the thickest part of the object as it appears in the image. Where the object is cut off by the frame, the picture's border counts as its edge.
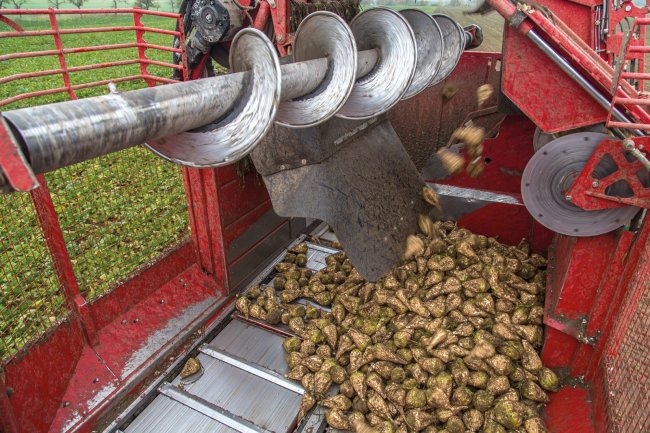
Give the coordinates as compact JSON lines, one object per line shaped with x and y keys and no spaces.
{"x":173,"y":4}
{"x":18,"y":3}
{"x":56,"y":4}
{"x":78,"y":3}
{"x":146,"y":4}
{"x":116,"y":3}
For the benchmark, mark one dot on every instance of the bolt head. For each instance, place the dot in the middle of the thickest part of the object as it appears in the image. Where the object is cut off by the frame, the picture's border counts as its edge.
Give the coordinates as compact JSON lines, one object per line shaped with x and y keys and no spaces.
{"x":628,"y":144}
{"x":595,"y":184}
{"x":568,"y":197}
{"x":208,"y":18}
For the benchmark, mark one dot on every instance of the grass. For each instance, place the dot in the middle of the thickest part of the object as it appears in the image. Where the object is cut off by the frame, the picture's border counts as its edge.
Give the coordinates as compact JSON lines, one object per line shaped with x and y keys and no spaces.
{"x":117,"y":212}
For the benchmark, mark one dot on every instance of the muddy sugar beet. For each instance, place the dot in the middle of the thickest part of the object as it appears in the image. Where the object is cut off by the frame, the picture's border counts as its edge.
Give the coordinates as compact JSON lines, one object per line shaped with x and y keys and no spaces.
{"x":447,"y":342}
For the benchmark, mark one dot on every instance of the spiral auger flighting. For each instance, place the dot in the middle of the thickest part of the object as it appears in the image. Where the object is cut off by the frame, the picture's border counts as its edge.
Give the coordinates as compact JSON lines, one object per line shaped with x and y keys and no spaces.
{"x":354,"y":71}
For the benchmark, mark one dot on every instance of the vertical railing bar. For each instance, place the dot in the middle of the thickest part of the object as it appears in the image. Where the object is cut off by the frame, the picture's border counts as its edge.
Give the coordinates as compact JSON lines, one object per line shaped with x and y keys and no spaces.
{"x":181,"y":38}
{"x":49,"y":222}
{"x":139,"y":37}
{"x":59,"y":47}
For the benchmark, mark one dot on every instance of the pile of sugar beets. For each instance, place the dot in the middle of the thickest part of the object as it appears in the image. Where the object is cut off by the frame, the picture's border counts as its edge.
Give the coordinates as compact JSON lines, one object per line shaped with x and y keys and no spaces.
{"x":446,"y":342}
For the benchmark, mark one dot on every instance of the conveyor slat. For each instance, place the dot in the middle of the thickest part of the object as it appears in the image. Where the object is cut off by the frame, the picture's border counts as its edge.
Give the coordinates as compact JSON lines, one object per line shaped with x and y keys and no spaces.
{"x":209,"y":409}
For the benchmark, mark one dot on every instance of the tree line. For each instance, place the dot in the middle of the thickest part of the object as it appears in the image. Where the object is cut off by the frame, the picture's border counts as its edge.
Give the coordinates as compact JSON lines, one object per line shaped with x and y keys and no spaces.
{"x":57,"y":4}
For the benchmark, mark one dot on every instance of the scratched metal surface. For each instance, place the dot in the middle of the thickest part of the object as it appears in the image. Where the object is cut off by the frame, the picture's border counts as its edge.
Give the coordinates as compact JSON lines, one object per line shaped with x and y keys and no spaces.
{"x":252,"y":344}
{"x":167,"y":416}
{"x":231,"y":138}
{"x":316,"y":255}
{"x":266,"y":404}
{"x":322,"y":34}
{"x":390,"y":33}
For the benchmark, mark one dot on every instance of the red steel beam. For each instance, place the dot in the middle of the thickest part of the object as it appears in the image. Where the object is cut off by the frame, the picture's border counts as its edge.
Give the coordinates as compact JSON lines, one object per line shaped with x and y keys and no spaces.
{"x":56,"y":245}
{"x":86,"y":30}
{"x":29,"y":54}
{"x":87,"y":12}
{"x":84,"y":86}
{"x":59,"y":48}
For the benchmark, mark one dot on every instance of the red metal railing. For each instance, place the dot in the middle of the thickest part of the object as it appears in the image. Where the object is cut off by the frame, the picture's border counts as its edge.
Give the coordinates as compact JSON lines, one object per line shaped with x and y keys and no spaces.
{"x":60,"y":52}
{"x":59,"y":241}
{"x":633,"y":48}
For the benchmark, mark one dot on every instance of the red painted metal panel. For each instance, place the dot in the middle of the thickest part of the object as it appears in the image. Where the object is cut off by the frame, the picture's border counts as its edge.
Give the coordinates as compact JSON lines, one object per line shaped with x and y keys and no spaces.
{"x":541,"y":238}
{"x":8,"y":421}
{"x":605,"y":300}
{"x":490,"y":219}
{"x":91,"y":378}
{"x":542,"y":90}
{"x":129,"y":332}
{"x":427,"y":120}
{"x":589,"y":259}
{"x":39,"y":376}
{"x":227,"y":173}
{"x":569,"y":411}
{"x":131,"y":344}
{"x":203,"y":201}
{"x":240,"y":196}
{"x":239,"y":227}
{"x":119,"y":300}
{"x":581,"y":360}
{"x":505,"y":158}
{"x":558,"y":348}
{"x":604,"y":317}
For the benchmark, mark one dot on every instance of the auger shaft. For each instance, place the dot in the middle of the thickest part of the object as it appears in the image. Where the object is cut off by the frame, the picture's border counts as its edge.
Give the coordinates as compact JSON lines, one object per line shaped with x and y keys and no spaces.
{"x":66,"y":133}
{"x":354,"y":71}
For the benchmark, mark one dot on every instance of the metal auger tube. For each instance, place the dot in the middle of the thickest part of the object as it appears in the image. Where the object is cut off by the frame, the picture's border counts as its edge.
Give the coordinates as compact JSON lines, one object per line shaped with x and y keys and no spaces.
{"x":337,"y":70}
{"x":66,"y":133}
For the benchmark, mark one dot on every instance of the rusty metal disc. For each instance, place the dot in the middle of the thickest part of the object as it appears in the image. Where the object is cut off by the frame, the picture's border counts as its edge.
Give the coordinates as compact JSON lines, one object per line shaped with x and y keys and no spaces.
{"x":390,"y":34}
{"x":322,"y":34}
{"x":428,"y":38}
{"x":238,"y":132}
{"x":453,"y":37}
{"x":549,"y":175}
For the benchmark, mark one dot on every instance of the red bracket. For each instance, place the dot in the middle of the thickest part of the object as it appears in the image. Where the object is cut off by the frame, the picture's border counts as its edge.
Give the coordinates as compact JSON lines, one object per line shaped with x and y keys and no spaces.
{"x":13,"y":165}
{"x":588,"y":192}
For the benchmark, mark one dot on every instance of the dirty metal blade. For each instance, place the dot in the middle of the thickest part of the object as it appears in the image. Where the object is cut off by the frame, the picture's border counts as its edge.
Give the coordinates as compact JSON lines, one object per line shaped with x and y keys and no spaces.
{"x":355,"y":176}
{"x":549,"y":175}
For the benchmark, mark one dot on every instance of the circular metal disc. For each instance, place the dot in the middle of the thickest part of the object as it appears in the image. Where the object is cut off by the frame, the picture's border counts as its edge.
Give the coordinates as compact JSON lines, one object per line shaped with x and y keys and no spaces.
{"x":428,"y":39}
{"x":549,"y":175}
{"x":389,"y":33}
{"x":453,"y":37}
{"x":322,"y":34}
{"x":235,"y":135}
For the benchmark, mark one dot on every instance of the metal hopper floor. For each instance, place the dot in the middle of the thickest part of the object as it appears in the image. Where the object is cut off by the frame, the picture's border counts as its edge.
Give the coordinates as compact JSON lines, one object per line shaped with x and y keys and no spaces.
{"x":242,"y":388}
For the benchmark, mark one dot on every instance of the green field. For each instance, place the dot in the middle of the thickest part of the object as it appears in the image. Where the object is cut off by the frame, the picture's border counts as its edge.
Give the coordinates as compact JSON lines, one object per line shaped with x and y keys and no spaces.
{"x":117,"y":212}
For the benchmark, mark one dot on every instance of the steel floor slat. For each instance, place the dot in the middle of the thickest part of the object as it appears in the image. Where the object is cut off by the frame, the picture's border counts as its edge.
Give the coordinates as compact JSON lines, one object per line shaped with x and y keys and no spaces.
{"x":265,"y":404}
{"x":165,"y":415}
{"x":252,"y":344}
